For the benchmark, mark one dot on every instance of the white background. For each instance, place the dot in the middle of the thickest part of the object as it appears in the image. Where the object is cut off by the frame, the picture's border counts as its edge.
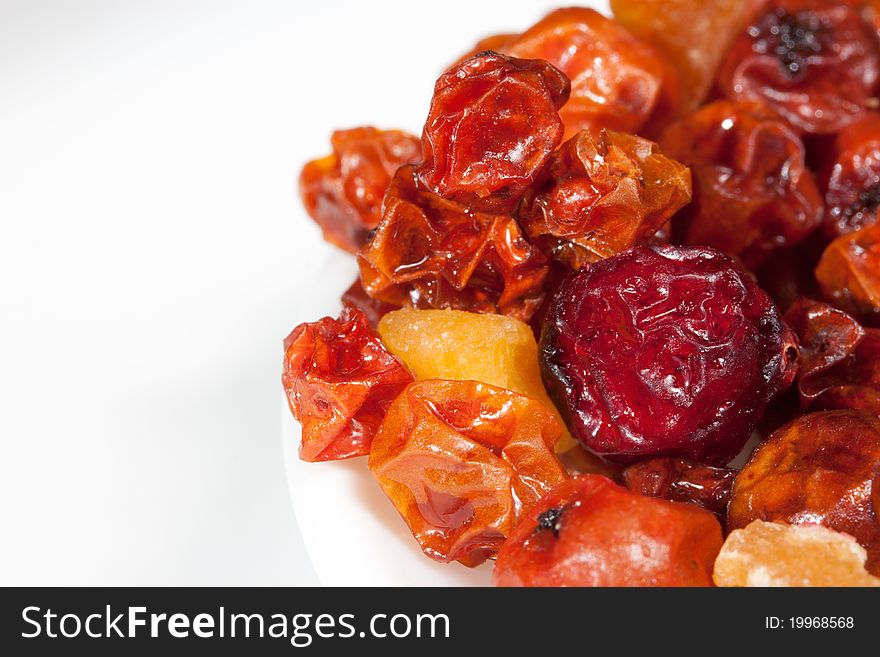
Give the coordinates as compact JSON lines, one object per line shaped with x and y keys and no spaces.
{"x":152,"y":258}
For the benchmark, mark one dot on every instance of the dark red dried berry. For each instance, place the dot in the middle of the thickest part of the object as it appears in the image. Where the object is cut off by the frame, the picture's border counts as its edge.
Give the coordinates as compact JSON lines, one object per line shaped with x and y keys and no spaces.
{"x":681,"y":480}
{"x":665,"y":350}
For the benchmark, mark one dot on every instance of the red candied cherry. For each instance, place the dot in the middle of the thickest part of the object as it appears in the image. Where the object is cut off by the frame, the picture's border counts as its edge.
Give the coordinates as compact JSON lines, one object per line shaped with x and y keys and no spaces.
{"x":665,"y":350}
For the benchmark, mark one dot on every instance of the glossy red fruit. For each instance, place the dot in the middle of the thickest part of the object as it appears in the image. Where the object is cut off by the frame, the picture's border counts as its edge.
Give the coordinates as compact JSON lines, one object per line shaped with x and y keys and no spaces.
{"x":430,"y":252}
{"x":815,"y":62}
{"x":588,"y":531}
{"x":665,"y":350}
{"x":462,"y":462}
{"x":839,"y":362}
{"x":753,"y":194}
{"x":339,"y":380}
{"x":852,"y":182}
{"x":356,"y":297}
{"x":492,"y":125}
{"x":343,"y":191}
{"x":681,"y":480}
{"x":603,"y":193}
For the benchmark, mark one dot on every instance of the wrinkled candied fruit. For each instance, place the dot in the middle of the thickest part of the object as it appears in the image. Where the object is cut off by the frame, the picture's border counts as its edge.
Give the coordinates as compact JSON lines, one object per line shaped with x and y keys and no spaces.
{"x":818,"y":469}
{"x":681,"y":480}
{"x":693,"y":35}
{"x":616,"y":79}
{"x":839,"y":361}
{"x":492,"y":125}
{"x":849,"y":273}
{"x":753,"y":193}
{"x":588,"y":531}
{"x":343,"y":191}
{"x":852,"y":186}
{"x":339,"y":380}
{"x":603,"y":194}
{"x":429,"y":252}
{"x":462,"y":462}
{"x":458,"y":345}
{"x":775,"y":554}
{"x":665,"y":351}
{"x":356,"y":297}
{"x":815,"y":62}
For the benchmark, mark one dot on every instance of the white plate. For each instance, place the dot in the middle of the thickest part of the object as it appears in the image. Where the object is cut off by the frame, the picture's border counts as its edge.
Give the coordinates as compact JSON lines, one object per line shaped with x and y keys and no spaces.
{"x":353,"y":534}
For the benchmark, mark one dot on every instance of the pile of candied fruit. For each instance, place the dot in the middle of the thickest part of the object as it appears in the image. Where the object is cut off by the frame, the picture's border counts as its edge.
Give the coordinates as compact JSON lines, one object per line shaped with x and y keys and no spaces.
{"x":625,"y":253}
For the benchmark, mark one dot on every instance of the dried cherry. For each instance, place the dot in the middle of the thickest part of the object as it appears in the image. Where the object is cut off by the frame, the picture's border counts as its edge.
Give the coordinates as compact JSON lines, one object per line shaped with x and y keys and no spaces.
{"x":819,"y":469}
{"x":462,"y":462}
{"x":852,"y":184}
{"x":339,"y":380}
{"x":492,"y":125}
{"x":588,"y":531}
{"x":752,"y":191}
{"x":616,"y":80}
{"x":849,"y":273}
{"x":430,"y":252}
{"x":604,"y":192}
{"x":839,"y":361}
{"x":813,"y":61}
{"x":343,"y":191}
{"x":681,"y":480}
{"x":665,"y":351}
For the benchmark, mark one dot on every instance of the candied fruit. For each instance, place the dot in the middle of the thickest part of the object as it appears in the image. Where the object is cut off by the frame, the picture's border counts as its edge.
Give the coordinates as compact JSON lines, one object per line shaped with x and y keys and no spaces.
{"x":356,"y":297}
{"x":492,"y":125}
{"x":665,"y":351}
{"x":815,"y":62}
{"x":839,"y":361}
{"x":692,"y":35}
{"x":453,"y":344}
{"x":343,"y":191}
{"x":462,"y":462}
{"x":588,"y":531}
{"x":616,"y":79}
{"x":429,"y":252}
{"x":775,"y":554}
{"x":753,"y":194}
{"x":849,"y":273}
{"x":681,"y":480}
{"x":852,"y":183}
{"x":604,"y":193}
{"x":339,"y":380}
{"x":818,"y":469}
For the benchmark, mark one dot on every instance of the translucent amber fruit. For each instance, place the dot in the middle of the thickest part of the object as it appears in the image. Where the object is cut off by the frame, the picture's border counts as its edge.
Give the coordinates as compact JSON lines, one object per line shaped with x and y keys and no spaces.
{"x":463,"y":346}
{"x":773,"y":554}
{"x":463,"y":462}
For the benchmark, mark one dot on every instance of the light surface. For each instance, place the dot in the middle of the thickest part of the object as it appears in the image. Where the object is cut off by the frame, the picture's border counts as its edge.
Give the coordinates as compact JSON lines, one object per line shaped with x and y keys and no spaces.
{"x":154,"y":254}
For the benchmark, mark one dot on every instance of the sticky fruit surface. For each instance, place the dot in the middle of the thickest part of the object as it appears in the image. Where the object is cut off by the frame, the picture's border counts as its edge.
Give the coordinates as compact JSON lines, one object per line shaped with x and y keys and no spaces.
{"x":339,"y":380}
{"x":462,"y":462}
{"x":604,"y":192}
{"x":343,"y":191}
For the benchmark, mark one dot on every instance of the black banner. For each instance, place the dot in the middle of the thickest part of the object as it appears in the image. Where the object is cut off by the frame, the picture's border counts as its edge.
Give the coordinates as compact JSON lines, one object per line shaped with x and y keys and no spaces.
{"x":432,"y":621}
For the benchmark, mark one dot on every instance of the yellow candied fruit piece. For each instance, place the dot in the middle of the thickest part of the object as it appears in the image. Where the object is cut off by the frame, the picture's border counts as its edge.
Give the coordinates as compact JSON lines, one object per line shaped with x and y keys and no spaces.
{"x":454,"y":344}
{"x":774,"y":554}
